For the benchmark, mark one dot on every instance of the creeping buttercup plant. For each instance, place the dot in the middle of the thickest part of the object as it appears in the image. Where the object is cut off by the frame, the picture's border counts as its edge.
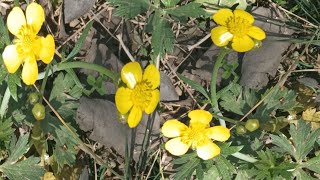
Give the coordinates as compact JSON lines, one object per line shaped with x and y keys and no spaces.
{"x":234,"y":133}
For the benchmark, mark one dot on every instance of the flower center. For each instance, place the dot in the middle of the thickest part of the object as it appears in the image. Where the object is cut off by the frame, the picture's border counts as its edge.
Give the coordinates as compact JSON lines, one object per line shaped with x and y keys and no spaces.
{"x":27,"y":41}
{"x":141,"y":95}
{"x":238,"y":26}
{"x":195,"y":135}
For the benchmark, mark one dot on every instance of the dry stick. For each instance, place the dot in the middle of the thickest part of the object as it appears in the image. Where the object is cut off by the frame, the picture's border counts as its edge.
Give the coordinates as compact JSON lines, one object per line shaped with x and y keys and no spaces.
{"x":81,"y":28}
{"x":82,"y":145}
{"x":184,"y":86}
{"x":199,"y":42}
{"x":119,"y":37}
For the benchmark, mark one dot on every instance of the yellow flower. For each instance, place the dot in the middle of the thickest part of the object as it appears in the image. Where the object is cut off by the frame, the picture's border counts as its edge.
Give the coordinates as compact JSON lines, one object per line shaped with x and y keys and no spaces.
{"x":27,"y":47}
{"x":197,"y":136}
{"x":236,"y":27}
{"x":140,"y":93}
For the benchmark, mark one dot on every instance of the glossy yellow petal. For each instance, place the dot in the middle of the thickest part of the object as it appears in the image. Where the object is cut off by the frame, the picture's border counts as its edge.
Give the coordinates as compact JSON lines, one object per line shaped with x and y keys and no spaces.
{"x":16,"y":20}
{"x":176,"y":147}
{"x":242,"y":44}
{"x":29,"y":71}
{"x":256,"y":33}
{"x":152,"y":75}
{"x":208,"y":150}
{"x":221,"y":16}
{"x":218,"y":133}
{"x":173,"y":128}
{"x":47,"y":49}
{"x":11,"y":58}
{"x":35,"y":16}
{"x":131,"y":74}
{"x":153,"y":102}
{"x":220,"y":36}
{"x":123,"y":100}
{"x":134,"y":117}
{"x":200,"y":116}
{"x":243,"y":15}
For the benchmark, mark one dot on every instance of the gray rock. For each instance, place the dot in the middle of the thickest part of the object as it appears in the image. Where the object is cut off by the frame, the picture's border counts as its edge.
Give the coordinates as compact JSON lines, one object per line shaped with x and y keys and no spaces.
{"x":167,"y":90}
{"x":73,"y":9}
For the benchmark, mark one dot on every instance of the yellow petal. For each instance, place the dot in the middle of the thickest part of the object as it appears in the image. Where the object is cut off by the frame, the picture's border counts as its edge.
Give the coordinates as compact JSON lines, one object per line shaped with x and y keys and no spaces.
{"x":153,"y":102}
{"x":221,"y":16}
{"x":173,"y":128}
{"x":123,"y":100}
{"x":176,"y":147}
{"x":35,"y":16}
{"x":242,"y":44}
{"x":131,"y":74}
{"x":47,"y":49}
{"x":200,"y":116}
{"x":30,"y":71}
{"x":238,"y":13}
{"x":208,"y":150}
{"x":152,"y":75}
{"x":218,"y":133}
{"x":256,"y":33}
{"x":11,"y":58}
{"x":16,"y":20}
{"x":220,"y":36}
{"x":135,"y":116}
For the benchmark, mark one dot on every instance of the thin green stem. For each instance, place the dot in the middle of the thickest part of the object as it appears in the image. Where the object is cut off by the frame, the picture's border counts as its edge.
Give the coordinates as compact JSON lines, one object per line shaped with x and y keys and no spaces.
{"x":213,"y":90}
{"x":44,"y":82}
{"x":79,"y":64}
{"x":225,"y":119}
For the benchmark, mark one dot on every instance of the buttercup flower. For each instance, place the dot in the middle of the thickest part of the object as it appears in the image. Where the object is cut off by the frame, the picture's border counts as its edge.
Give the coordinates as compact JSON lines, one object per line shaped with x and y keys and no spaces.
{"x":235,"y":27}
{"x":27,"y":47}
{"x":140,"y":93}
{"x":198,"y":135}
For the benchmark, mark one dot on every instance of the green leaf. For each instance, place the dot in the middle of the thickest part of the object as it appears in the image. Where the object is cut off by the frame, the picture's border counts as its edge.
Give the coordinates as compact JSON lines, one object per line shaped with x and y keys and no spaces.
{"x":23,"y":170}
{"x":195,"y":86}
{"x":211,"y":174}
{"x":162,"y":36}
{"x":91,"y":80}
{"x":185,"y":171}
{"x":80,"y":41}
{"x":282,"y":142}
{"x":231,"y":99}
{"x":62,"y":84}
{"x":225,"y":168}
{"x":4,"y":32}
{"x":189,"y":10}
{"x":12,"y":86}
{"x":170,"y":3}
{"x":18,"y":149}
{"x":313,"y":164}
{"x":184,"y":158}
{"x":74,"y":77}
{"x":129,"y":8}
{"x":226,"y":149}
{"x":6,"y":131}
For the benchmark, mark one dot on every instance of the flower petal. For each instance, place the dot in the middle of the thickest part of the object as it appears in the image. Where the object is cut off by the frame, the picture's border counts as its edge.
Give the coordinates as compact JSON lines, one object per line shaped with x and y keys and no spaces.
{"x":173,"y":128}
{"x":131,"y":73}
{"x":256,"y":33}
{"x":208,"y":150}
{"x":152,"y":75}
{"x":46,"y":51}
{"x":242,"y":44}
{"x":176,"y":147}
{"x":135,"y":116}
{"x":16,"y":20}
{"x":153,"y":102}
{"x":200,"y":116}
{"x":11,"y":58}
{"x":123,"y":100}
{"x":221,"y":16}
{"x":238,"y":13}
{"x":30,"y":71}
{"x":218,"y":133}
{"x":35,"y":16}
{"x":220,"y":36}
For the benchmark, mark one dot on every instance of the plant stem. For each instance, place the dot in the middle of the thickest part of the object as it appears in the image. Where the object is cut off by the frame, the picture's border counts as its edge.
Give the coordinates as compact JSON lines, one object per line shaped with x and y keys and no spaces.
{"x":79,"y":64}
{"x":44,"y":82}
{"x":244,"y":157}
{"x":213,"y":90}
{"x":4,"y":103}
